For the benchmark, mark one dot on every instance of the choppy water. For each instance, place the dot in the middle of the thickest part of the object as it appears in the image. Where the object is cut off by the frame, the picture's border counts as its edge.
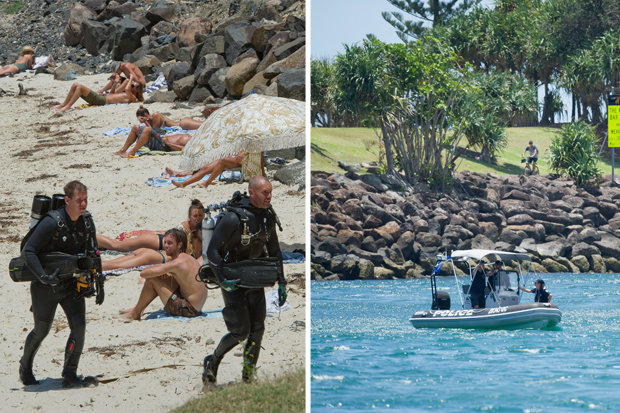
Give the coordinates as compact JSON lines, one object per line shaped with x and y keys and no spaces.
{"x":366,"y":356}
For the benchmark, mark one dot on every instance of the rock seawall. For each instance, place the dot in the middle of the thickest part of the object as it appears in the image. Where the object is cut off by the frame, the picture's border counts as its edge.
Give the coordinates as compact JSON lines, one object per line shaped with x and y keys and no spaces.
{"x":363,"y":228}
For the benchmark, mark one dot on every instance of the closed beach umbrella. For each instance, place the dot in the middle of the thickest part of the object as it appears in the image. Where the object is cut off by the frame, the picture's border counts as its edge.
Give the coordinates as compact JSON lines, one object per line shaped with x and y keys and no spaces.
{"x":256,"y":123}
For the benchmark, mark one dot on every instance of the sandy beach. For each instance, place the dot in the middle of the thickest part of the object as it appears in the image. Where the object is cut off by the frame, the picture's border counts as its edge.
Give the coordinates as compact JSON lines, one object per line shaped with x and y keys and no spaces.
{"x":158,"y":363}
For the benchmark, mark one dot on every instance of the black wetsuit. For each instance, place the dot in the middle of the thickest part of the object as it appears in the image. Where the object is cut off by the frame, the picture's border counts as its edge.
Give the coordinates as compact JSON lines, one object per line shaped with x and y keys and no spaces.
{"x":244,"y":309}
{"x":70,"y":237}
{"x":476,"y":290}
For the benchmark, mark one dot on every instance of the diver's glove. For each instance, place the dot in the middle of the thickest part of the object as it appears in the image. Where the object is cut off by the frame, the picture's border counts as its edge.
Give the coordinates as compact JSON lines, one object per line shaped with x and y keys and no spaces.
{"x":99,"y":280}
{"x":282,"y":294}
{"x":229,"y":285}
{"x":50,"y":279}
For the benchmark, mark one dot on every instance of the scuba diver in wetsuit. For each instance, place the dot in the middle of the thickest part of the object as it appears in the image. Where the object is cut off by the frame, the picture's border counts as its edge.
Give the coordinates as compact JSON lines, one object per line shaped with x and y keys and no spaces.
{"x":236,"y":239}
{"x":70,"y":230}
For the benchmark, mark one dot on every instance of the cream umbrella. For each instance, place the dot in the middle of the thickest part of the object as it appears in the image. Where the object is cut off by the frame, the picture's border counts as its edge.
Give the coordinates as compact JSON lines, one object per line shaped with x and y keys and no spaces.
{"x":256,"y":123}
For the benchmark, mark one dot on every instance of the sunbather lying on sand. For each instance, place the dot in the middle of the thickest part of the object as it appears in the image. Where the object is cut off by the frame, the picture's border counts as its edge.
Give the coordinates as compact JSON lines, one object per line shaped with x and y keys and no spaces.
{"x":154,"y":239}
{"x":115,"y":82}
{"x":174,"y":282}
{"x":132,"y":93}
{"x":214,"y":168}
{"x":138,"y":258}
{"x":23,"y":62}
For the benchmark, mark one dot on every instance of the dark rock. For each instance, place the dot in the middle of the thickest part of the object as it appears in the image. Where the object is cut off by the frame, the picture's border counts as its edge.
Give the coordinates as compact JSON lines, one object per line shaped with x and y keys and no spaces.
{"x":127,"y":35}
{"x":183,"y":87}
{"x":162,"y":28}
{"x":147,"y":63}
{"x":238,"y":37}
{"x":250,"y":53}
{"x":94,"y":5}
{"x":609,"y":245}
{"x":208,"y":65}
{"x":291,"y":174}
{"x":217,"y":82}
{"x":428,"y":240}
{"x":481,"y":242}
{"x":593,"y":214}
{"x":95,"y":35}
{"x":176,"y":72}
{"x":161,"y":10}
{"x":584,"y":249}
{"x":597,"y":264}
{"x":166,"y":52}
{"x":553,"y":266}
{"x":289,"y":48}
{"x":199,"y":94}
{"x":292,"y":84}
{"x":553,"y":249}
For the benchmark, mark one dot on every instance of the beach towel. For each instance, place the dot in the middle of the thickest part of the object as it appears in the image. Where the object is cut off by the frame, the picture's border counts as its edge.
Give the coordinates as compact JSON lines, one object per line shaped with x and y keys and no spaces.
{"x":170,"y":130}
{"x":161,"y":315}
{"x":165,"y":180}
{"x":42,"y":61}
{"x":156,"y":84}
{"x":292,"y":257}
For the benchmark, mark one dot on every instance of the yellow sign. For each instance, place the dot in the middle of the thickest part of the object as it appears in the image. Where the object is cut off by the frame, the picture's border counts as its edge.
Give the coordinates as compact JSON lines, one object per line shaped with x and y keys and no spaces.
{"x":613,"y":125}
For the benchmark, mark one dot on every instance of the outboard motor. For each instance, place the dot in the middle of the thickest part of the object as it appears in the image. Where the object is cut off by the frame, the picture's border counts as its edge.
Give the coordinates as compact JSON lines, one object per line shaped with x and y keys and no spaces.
{"x":41,"y":204}
{"x":441,"y":301}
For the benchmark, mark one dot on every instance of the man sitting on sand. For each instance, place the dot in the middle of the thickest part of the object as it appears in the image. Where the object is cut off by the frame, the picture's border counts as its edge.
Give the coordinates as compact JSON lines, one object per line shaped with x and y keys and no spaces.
{"x":178,"y":289}
{"x":23,"y":62}
{"x":132,"y":93}
{"x":214,"y":169}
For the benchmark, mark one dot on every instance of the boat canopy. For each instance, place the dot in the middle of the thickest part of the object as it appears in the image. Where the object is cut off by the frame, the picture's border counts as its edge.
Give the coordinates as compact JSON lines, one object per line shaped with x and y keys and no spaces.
{"x":480,"y":254}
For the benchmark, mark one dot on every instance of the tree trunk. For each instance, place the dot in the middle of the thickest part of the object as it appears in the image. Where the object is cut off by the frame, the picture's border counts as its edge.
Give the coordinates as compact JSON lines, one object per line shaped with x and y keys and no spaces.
{"x":544,"y":120}
{"x":389,"y":154}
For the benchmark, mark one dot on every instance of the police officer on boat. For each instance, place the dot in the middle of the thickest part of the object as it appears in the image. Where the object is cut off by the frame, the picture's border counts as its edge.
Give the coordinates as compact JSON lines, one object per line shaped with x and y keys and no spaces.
{"x":69,"y":230}
{"x":236,"y":239}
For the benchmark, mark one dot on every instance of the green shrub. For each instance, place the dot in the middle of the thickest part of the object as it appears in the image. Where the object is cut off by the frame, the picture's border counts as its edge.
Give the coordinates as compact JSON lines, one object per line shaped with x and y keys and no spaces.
{"x":573,"y":152}
{"x":11,"y":7}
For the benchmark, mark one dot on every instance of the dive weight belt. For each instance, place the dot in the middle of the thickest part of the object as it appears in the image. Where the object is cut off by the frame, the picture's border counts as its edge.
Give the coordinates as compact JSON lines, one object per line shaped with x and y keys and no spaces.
{"x":254,"y":273}
{"x":66,"y":263}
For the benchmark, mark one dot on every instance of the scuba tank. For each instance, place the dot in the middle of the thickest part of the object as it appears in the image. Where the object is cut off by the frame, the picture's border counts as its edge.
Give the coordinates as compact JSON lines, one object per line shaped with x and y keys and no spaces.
{"x":41,"y":204}
{"x":208,"y":225}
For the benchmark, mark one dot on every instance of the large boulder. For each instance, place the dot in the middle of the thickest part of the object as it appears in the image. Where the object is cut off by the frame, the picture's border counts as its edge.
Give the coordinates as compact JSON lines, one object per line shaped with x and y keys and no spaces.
{"x":292,"y":84}
{"x":217,"y":82}
{"x":95,"y":5}
{"x":127,"y":34}
{"x":73,"y":31}
{"x":553,"y":249}
{"x":208,"y":65}
{"x":609,"y":245}
{"x":581,"y":262}
{"x":612,"y":264}
{"x":553,"y":266}
{"x":94,"y":35}
{"x":291,"y":174}
{"x":190,"y":28}
{"x":68,"y":71}
{"x":200,"y":94}
{"x":582,"y":248}
{"x":238,"y":37}
{"x":147,"y":63}
{"x":296,"y":60}
{"x":258,"y":83}
{"x":239,"y":74}
{"x":183,"y":87}
{"x":597,"y":264}
{"x":161,"y":10}
{"x":177,"y":71}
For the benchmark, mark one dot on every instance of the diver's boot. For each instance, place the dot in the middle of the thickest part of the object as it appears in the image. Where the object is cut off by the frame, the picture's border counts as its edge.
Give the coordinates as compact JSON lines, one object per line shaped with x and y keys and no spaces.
{"x":25,"y":373}
{"x":250,"y":357}
{"x":209,"y":374}
{"x":72,"y":380}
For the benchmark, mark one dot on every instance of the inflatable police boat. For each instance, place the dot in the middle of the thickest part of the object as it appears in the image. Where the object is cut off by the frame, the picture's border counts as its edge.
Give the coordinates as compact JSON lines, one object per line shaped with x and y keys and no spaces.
{"x":502,"y":297}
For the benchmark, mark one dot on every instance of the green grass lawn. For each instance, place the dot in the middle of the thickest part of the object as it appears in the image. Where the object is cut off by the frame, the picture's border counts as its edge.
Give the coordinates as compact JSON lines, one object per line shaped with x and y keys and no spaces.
{"x":354,"y":145}
{"x":284,"y":394}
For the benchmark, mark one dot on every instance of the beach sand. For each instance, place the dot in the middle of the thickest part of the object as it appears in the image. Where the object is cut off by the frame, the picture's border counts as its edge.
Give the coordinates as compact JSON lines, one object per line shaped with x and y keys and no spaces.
{"x":158,"y":363}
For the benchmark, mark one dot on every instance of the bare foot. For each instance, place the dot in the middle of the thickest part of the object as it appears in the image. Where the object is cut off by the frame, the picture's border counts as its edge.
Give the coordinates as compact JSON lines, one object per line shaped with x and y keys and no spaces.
{"x":178,"y":184}
{"x":125,"y":155}
{"x":119,"y":152}
{"x":203,"y":184}
{"x":129,"y":315}
{"x":170,"y":172}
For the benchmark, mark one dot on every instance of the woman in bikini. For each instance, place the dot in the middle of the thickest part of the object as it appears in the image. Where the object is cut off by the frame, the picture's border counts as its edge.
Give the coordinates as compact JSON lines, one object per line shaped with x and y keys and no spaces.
{"x":152,"y":239}
{"x":153,"y":136}
{"x":132,"y":93}
{"x":23,"y":62}
{"x":138,"y":258}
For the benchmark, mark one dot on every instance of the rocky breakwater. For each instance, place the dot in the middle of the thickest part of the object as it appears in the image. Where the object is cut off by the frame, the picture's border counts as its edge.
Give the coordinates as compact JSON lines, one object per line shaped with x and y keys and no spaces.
{"x":222,"y":50}
{"x":363,"y":227}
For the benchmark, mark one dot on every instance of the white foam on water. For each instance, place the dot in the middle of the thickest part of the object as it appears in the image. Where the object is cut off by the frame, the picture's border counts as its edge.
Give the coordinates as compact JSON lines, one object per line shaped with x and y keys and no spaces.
{"x":326,"y":377}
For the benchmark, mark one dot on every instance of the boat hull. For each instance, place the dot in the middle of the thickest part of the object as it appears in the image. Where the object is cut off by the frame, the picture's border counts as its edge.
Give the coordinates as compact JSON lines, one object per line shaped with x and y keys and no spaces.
{"x":533,"y":315}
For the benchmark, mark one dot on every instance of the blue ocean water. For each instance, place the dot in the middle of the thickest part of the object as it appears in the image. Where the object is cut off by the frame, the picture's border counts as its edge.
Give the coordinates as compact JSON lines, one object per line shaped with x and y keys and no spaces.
{"x":366,"y":356}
